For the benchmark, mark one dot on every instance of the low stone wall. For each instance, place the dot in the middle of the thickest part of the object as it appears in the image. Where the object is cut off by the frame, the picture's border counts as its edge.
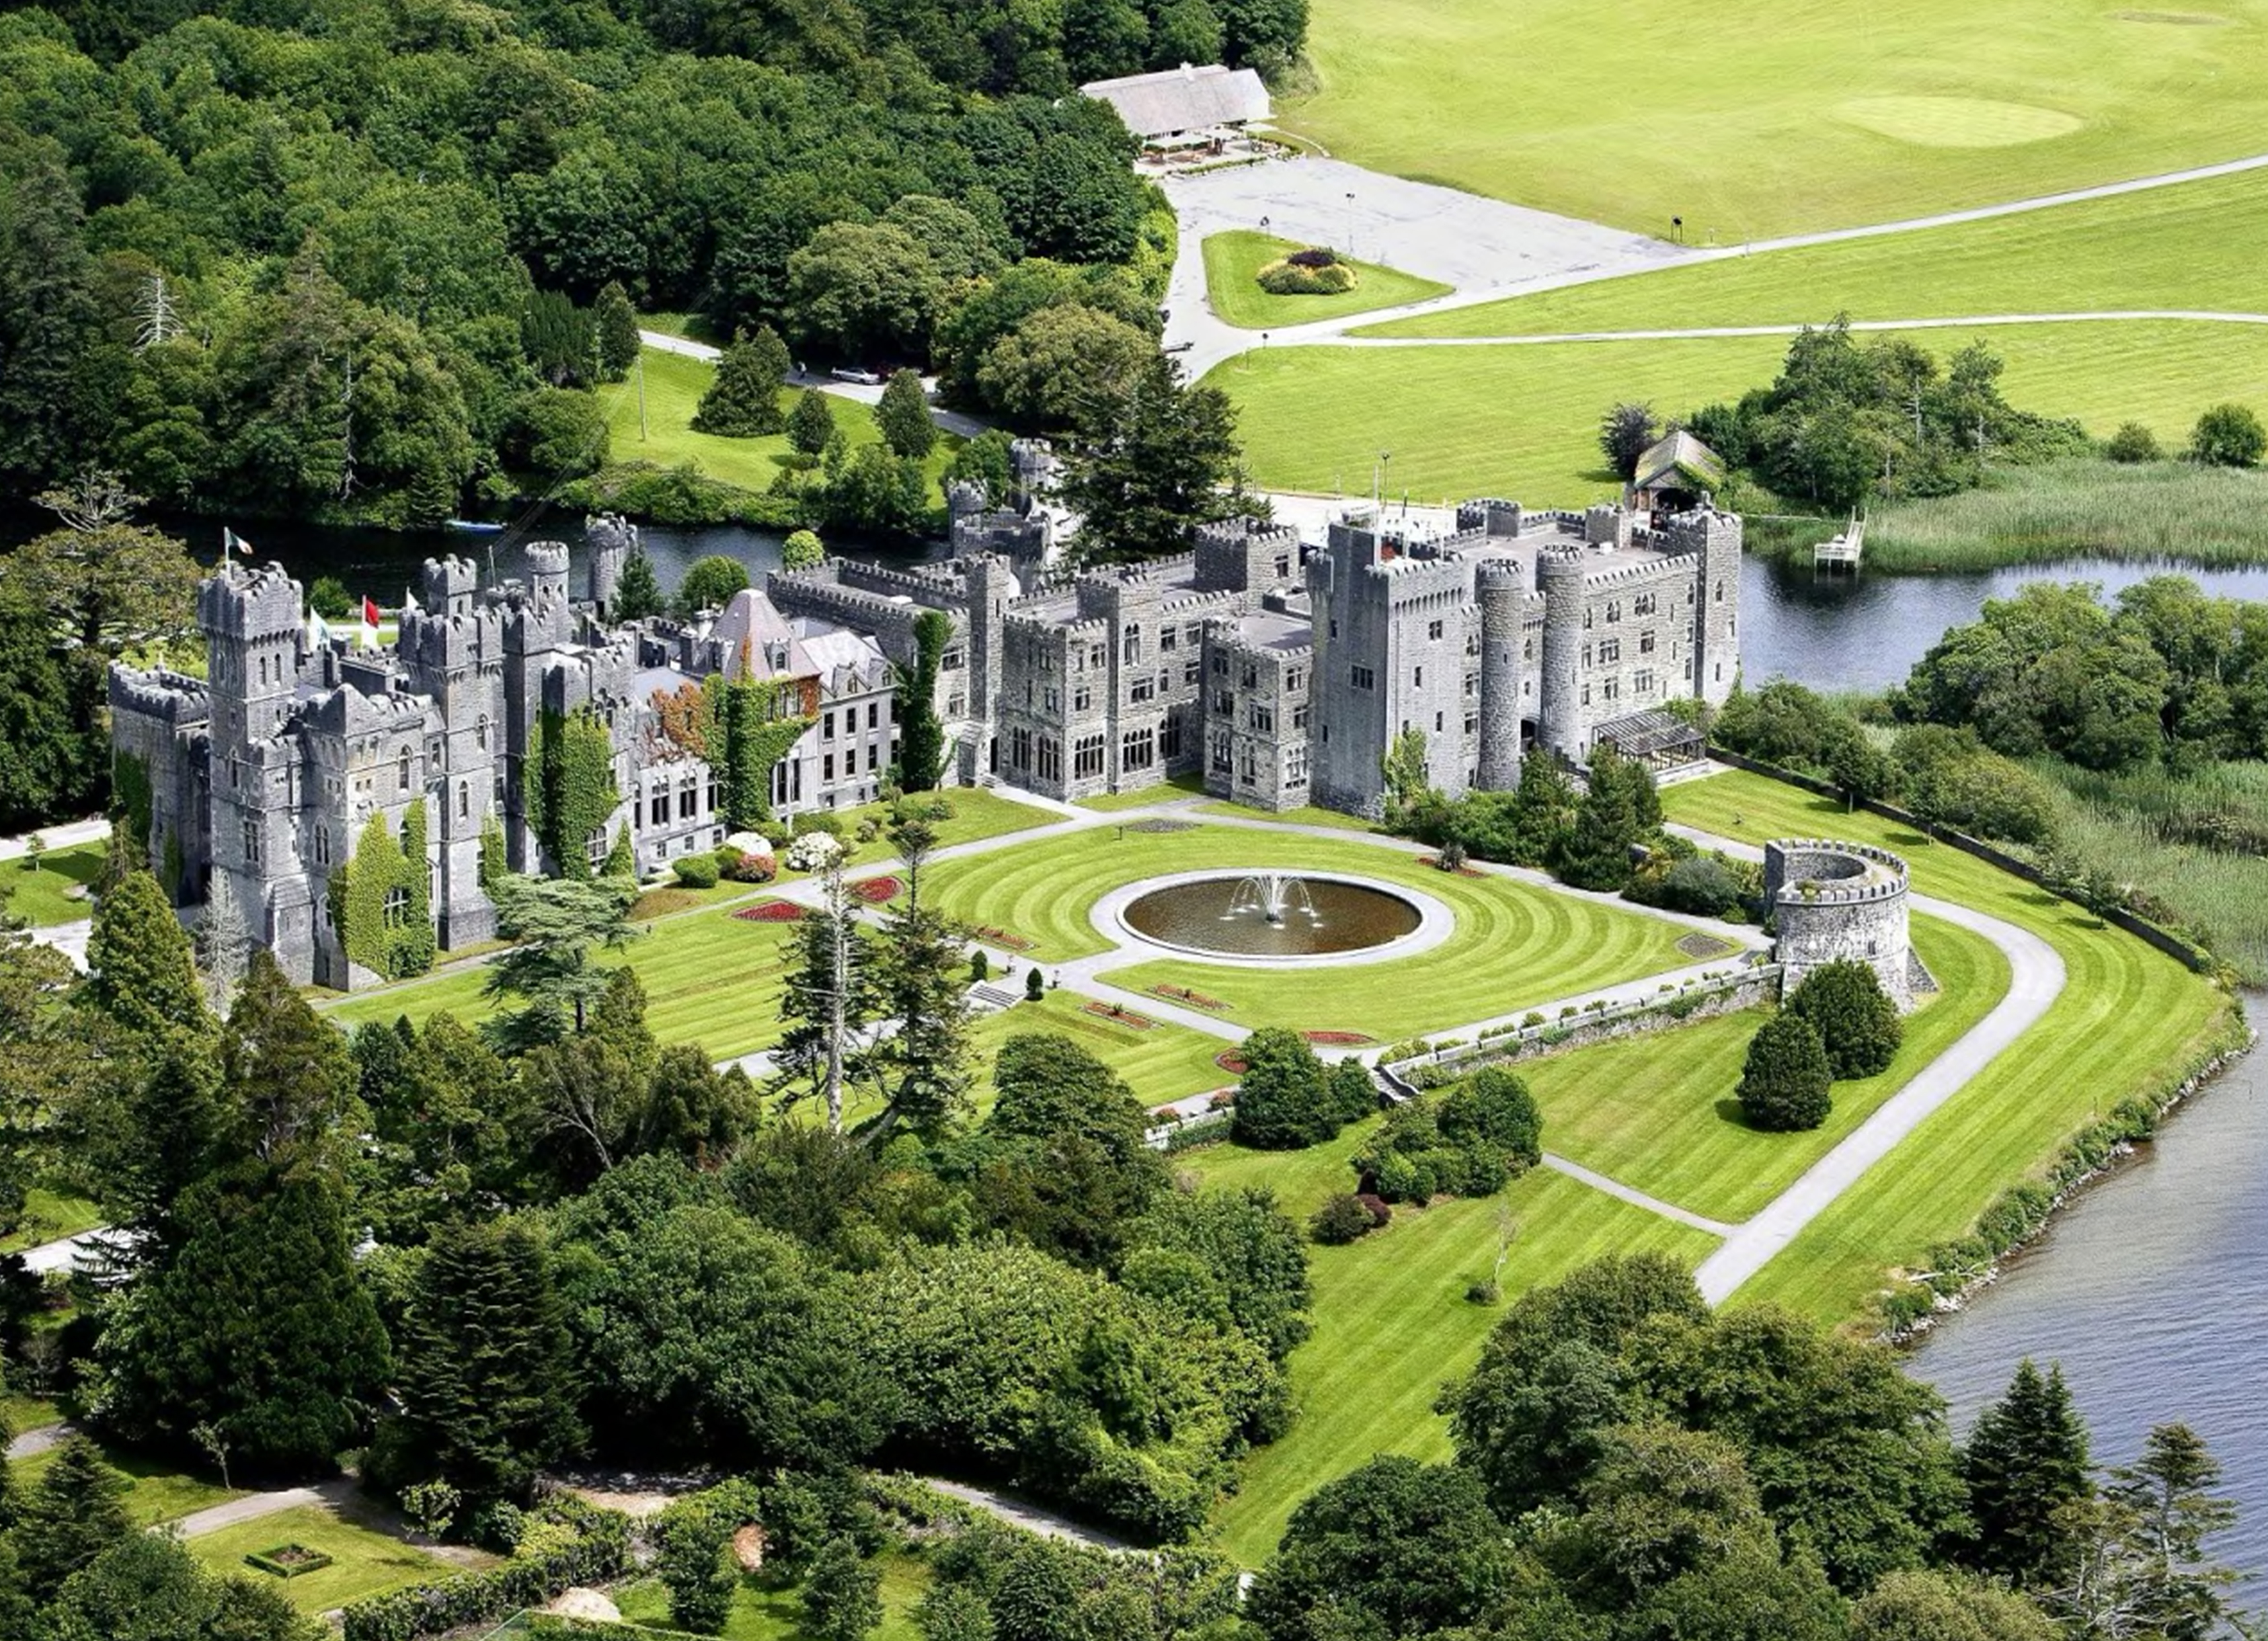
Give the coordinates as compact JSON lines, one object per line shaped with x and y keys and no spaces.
{"x":1696,"y":1000}
{"x":2164,"y":939}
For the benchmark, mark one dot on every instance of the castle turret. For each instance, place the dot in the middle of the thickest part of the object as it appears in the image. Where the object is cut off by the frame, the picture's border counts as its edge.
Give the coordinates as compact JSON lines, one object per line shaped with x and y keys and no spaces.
{"x":610,"y":538}
{"x":1500,"y":590}
{"x":447,"y":586}
{"x":1559,"y":577}
{"x":1714,"y":538}
{"x":547,"y":574}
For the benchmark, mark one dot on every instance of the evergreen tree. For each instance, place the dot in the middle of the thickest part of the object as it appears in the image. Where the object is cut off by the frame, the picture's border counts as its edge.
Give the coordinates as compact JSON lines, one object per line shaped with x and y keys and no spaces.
{"x":221,"y":944}
{"x":841,"y":1593}
{"x":1542,"y":809}
{"x":557,"y":925}
{"x":829,"y":1000}
{"x":637,"y":594}
{"x":621,"y":859}
{"x":742,"y":399}
{"x":921,"y":731}
{"x":710,"y":582}
{"x":288,"y":1076}
{"x":924,"y":1066}
{"x":902,"y":417}
{"x":616,"y":320}
{"x":2027,"y":1466}
{"x":486,"y":1383}
{"x":1624,"y":435}
{"x":257,"y":1325}
{"x":2164,"y":1509}
{"x":1152,"y":460}
{"x":1608,"y":822}
{"x":144,"y":975}
{"x":558,"y":338}
{"x":1402,"y":773}
{"x":74,"y":1512}
{"x":1785,"y":1081}
{"x":811,"y":423}
{"x":803,"y":550}
{"x":1854,"y":1017}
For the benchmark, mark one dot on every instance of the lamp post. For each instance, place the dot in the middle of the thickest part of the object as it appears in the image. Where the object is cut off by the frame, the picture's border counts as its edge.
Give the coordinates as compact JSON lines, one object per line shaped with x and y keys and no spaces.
{"x":1349,"y":198}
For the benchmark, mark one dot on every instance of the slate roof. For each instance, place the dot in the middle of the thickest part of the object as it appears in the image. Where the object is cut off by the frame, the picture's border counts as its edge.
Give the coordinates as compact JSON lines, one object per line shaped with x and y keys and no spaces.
{"x":1186,"y":98}
{"x":1680,"y":456}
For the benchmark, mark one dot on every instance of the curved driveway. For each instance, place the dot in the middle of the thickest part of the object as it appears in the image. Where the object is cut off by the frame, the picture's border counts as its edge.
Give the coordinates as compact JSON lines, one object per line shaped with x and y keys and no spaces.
{"x":2036,"y":980}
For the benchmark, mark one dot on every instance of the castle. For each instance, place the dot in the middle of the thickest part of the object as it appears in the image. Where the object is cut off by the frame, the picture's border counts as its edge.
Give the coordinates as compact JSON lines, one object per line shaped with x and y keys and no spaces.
{"x":1282,"y":671}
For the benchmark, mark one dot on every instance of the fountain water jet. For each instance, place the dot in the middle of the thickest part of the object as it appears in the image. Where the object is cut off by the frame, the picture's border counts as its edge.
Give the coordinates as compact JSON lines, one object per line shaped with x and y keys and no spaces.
{"x":1273,"y":894}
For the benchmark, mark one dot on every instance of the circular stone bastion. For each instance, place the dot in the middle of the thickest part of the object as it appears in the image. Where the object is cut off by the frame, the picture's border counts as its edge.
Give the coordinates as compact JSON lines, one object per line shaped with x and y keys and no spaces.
{"x":1832,"y":900}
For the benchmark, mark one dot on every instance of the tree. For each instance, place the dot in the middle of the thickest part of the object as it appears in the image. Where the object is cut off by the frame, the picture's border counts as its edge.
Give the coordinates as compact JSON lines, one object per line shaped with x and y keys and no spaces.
{"x":1282,"y":1101}
{"x":149,"y":1587}
{"x":488,"y":1384}
{"x":221,"y":944}
{"x":1542,"y":810}
{"x":694,"y":1562}
{"x":73,"y":1513}
{"x":829,"y":1000}
{"x":902,"y":417}
{"x":710,"y":582}
{"x":1785,"y":1081}
{"x":1397,"y":1548}
{"x":144,"y":975}
{"x":2228,"y":436}
{"x":615,"y":322}
{"x":2027,"y":1466}
{"x":558,"y":338}
{"x":922,"y":1068}
{"x":1916,"y":1606}
{"x":1042,"y":372}
{"x":637,"y":594}
{"x":1608,"y":822}
{"x":802,"y":550}
{"x":921,"y":733}
{"x":2133,"y":444}
{"x":1249,"y":1247}
{"x":1492,"y":1111}
{"x":1069,"y":1168}
{"x":811,"y":423}
{"x":257,"y":1324}
{"x":1152,"y":459}
{"x":558,"y":433}
{"x":1662,"y":1503}
{"x":52,"y":339}
{"x":842,"y":1595}
{"x":1625,"y":434}
{"x":742,"y":399}
{"x":556,"y":925}
{"x":864,"y":292}
{"x":287,"y":1078}
{"x":987,"y":461}
{"x":2159,"y":1511}
{"x":1857,"y":1022}
{"x":1404,"y":775}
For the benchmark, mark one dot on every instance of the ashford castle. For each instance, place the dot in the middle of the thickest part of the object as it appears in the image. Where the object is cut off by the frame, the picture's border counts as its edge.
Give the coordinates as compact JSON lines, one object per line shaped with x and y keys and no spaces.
{"x":1282,"y":671}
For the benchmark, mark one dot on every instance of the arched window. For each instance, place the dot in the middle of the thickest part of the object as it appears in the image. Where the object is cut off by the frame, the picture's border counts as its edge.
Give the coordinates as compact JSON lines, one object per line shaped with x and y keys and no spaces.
{"x":401,"y":768}
{"x":464,"y":800}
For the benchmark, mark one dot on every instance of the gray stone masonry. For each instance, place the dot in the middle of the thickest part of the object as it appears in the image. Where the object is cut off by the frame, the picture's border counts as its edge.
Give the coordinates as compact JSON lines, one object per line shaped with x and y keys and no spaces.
{"x":1833,"y":900}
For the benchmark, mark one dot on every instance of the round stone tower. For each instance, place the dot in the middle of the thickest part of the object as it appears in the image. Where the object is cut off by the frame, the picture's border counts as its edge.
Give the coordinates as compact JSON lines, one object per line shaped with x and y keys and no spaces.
{"x":547,"y":572}
{"x":1832,"y":900}
{"x":1499,"y":586}
{"x":1559,"y":577}
{"x":610,"y":537}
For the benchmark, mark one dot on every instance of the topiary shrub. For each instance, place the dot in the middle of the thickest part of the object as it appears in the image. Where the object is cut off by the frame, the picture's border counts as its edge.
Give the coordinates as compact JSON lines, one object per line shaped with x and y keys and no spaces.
{"x":1294,"y":279}
{"x":698,"y":872}
{"x":1854,"y":1017}
{"x":1314,"y":256}
{"x":1785,"y":1084}
{"x":1035,"y":987}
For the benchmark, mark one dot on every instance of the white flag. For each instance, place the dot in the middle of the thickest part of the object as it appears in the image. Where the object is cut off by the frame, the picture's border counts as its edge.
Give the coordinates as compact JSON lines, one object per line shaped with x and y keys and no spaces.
{"x":319,"y":635}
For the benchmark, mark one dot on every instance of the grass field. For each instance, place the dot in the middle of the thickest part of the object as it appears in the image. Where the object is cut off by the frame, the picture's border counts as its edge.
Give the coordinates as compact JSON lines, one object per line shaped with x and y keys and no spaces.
{"x":2185,"y":246}
{"x":1392,"y":1323}
{"x":1769,"y":119}
{"x":42,"y":898}
{"x":364,"y":1562}
{"x":49,"y":1215}
{"x":1521,"y":420}
{"x":1164,"y":1062}
{"x":1232,"y":261}
{"x":765,"y":1614}
{"x":1515,"y":944}
{"x":673,"y":386}
{"x":1178,"y":786}
{"x":2128,"y":1017}
{"x":154,"y":1493}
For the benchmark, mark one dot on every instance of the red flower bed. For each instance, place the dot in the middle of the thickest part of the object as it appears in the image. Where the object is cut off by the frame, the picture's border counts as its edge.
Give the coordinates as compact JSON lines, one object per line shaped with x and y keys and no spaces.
{"x":1002,"y":938}
{"x":1112,"y":1011}
{"x":1231,"y":1062}
{"x":1182,"y":994}
{"x":1338,"y":1039}
{"x":874,"y":891}
{"x":771,"y":911}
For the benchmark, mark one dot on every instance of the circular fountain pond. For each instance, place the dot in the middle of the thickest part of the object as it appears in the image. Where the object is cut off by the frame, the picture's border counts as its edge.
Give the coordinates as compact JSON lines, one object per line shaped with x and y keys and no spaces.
{"x":1265,"y":914}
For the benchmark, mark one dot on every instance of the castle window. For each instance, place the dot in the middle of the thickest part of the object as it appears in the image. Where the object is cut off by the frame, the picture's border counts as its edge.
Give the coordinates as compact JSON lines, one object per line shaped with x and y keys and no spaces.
{"x":1721,"y":592}
{"x":1646,"y":644}
{"x":1169,"y":737}
{"x":827,"y":767}
{"x":1138,"y":750}
{"x":1190,"y":670}
{"x":953,"y":660}
{"x":1133,"y":649}
{"x":1645,"y":604}
{"x":1611,"y":689}
{"x":1219,"y":665}
{"x":1193,"y":636}
{"x":1283,"y":565}
{"x":1020,"y":748}
{"x":1614,"y":612}
{"x":1166,"y":638}
{"x":480,"y":733}
{"x":712,"y":791}
{"x":1642,"y":683}
{"x":1295,"y":767}
{"x":1335,"y":626}
{"x":397,"y":907}
{"x":464,"y":800}
{"x":1260,"y":718}
{"x":1363,"y":678}
{"x":1587,"y":655}
{"x":1223,"y":756}
{"x":1472,"y":723}
{"x":402,"y":768}
{"x":597,"y":847}
{"x":1082,"y":698}
{"x":1299,"y":716}
{"x":1436,"y":723}
{"x":689,"y":796}
{"x":1527,"y":651}
{"x":1086,"y":757}
{"x":1050,"y":758}
{"x":1433,"y":630}
{"x":1142,"y":690}
{"x":322,"y":846}
{"x":1586,"y":694}
{"x":1224,"y":703}
{"x":827,"y":727}
{"x":873,"y":714}
{"x":1098,"y":657}
{"x":1416,"y":678}
{"x":956,"y":706}
{"x":1293,"y":679}
{"x":1472,"y":683}
{"x":1610,"y":651}
{"x":1165,"y":681}
{"x":1054,"y":702}
{"x":660,"y":809}
{"x":1251,"y":676}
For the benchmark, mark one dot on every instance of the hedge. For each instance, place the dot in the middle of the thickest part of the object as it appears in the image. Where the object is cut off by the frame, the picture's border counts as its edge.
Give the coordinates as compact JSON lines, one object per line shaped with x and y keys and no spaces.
{"x":600,"y":1551}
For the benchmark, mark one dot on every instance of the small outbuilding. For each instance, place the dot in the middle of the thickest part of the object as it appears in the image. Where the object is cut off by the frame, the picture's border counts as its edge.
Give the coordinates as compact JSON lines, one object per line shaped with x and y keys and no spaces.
{"x":1677,"y":473}
{"x":1185,"y":107}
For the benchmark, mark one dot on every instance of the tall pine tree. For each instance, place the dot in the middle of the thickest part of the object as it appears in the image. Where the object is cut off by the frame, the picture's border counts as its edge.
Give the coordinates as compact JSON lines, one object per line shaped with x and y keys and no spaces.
{"x":2026,"y":1465}
{"x":73,"y":1514}
{"x":1153,"y":459}
{"x":742,"y":401}
{"x":144,"y":975}
{"x":924,"y":1066}
{"x":615,"y":322}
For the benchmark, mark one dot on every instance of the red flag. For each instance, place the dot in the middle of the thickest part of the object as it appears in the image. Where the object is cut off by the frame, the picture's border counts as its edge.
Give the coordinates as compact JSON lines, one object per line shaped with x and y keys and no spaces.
{"x":368,"y":611}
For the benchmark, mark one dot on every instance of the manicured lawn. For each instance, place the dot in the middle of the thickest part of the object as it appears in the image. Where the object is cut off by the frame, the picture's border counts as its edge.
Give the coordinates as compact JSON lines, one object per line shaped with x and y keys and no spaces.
{"x":673,"y":386}
{"x":29,"y":1413}
{"x":2127,"y":1018}
{"x":1307,"y":814}
{"x":154,"y":1493}
{"x":1771,"y":118}
{"x":1392,"y":1323}
{"x":1659,"y":1111}
{"x":1515,"y":944}
{"x":1178,"y":786}
{"x":762,"y":1615}
{"x":1521,"y":420}
{"x":2189,"y":246}
{"x":50,"y":1215}
{"x":1232,"y":261}
{"x":40,"y":898}
{"x":1164,"y":1062}
{"x":364,"y":1562}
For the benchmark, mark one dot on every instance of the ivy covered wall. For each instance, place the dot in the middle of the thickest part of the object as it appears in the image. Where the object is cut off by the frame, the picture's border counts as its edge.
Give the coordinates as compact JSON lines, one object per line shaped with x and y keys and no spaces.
{"x":741,"y":729}
{"x":570,"y":785}
{"x":381,"y":900}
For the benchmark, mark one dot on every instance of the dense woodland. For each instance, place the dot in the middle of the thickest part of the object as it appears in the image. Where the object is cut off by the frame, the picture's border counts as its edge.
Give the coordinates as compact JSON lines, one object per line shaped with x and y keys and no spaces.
{"x":329,"y":261}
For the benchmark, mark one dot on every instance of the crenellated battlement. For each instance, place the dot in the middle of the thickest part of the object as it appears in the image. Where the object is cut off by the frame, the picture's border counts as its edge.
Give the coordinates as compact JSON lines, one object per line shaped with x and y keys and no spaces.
{"x":1819,"y":871}
{"x":169,"y":698}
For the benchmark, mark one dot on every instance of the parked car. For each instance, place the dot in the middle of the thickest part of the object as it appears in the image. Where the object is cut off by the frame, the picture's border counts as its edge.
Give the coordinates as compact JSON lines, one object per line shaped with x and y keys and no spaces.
{"x":852,"y":374}
{"x":1179,"y":346}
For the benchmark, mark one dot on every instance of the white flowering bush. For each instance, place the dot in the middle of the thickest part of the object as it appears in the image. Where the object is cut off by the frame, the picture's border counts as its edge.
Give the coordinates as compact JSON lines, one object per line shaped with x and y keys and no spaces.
{"x":813,"y":852}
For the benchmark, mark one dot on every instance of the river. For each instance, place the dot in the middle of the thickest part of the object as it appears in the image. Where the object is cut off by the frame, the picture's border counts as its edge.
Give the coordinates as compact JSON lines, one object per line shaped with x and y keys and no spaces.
{"x":2148,"y":1289}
